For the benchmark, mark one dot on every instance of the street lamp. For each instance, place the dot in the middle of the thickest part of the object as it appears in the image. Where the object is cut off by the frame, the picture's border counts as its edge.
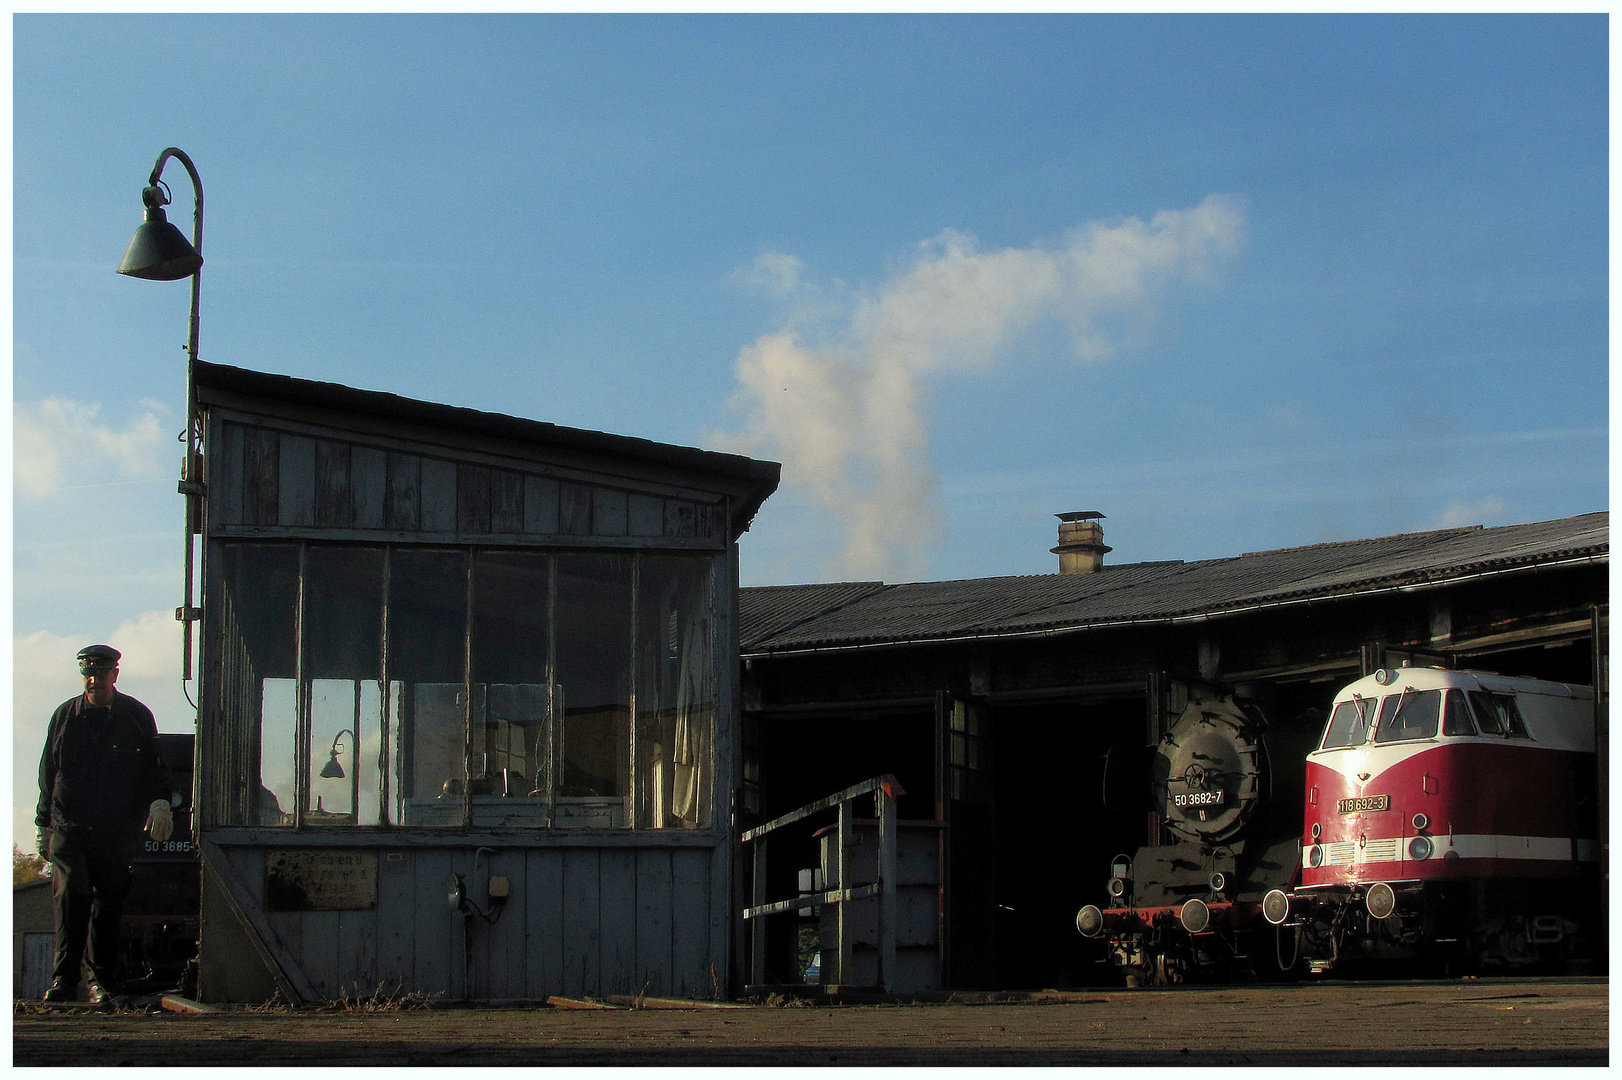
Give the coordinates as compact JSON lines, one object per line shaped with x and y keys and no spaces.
{"x":160,"y":252}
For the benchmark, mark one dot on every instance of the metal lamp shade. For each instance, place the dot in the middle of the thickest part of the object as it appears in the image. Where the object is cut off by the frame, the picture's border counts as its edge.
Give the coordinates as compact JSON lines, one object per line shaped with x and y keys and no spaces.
{"x":159,"y":251}
{"x":332,"y":770}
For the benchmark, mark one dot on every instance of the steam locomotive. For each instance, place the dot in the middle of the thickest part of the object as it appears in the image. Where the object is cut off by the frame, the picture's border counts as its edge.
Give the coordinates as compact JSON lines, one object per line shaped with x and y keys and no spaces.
{"x":159,"y":930}
{"x":1225,"y":783}
{"x":1450,"y":817}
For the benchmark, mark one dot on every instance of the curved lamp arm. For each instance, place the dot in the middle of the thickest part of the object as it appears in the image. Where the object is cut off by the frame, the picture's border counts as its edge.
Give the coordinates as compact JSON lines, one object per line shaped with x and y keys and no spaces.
{"x":155,"y":197}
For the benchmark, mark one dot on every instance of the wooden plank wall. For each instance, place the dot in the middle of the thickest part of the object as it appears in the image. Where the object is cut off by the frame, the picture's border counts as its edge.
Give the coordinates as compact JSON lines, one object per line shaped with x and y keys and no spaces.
{"x":262,"y":478}
{"x":580,"y":921}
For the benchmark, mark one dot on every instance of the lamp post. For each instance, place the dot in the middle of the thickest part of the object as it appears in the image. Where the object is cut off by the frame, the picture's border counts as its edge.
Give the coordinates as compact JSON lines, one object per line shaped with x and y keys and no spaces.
{"x":160,"y":252}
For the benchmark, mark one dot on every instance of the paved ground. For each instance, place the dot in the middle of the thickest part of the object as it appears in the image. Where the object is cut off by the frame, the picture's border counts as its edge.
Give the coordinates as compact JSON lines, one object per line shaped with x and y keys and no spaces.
{"x":1473,"y":1022}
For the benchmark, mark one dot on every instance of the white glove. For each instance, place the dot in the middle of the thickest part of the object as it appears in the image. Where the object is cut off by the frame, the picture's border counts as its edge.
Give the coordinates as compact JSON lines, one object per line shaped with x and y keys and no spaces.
{"x":160,"y":822}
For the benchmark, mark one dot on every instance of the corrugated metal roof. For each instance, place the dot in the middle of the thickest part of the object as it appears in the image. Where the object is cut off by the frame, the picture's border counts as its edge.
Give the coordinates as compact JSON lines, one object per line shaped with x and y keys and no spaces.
{"x":788,"y":618}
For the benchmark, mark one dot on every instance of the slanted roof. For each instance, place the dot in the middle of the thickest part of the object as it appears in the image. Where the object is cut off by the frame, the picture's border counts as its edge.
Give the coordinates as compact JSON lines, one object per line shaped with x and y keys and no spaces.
{"x":749,"y":480}
{"x":795,"y":618}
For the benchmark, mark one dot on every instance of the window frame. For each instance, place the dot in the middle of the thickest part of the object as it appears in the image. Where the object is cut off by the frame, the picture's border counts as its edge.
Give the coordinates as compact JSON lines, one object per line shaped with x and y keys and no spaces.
{"x":227,"y":716}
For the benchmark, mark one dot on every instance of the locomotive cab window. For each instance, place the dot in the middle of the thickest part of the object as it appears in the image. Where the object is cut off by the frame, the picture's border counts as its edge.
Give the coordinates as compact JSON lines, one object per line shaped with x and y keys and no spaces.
{"x":1412,"y":714}
{"x":1456,"y":715}
{"x":1349,"y":724}
{"x":1498,"y":714}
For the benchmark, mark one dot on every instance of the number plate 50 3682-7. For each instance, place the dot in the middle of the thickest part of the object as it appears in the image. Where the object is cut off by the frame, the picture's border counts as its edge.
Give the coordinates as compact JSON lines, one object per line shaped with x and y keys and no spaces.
{"x":1365,"y":802}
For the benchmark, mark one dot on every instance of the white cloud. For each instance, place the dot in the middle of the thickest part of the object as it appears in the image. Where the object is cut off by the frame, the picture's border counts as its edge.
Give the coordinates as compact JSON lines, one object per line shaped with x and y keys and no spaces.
{"x":58,"y":442}
{"x":1482,"y":512}
{"x":845,"y":416}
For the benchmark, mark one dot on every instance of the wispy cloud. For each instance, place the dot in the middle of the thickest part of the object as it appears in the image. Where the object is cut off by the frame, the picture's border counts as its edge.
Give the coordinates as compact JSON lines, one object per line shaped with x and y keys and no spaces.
{"x":842,"y":407}
{"x":1481,"y":512}
{"x":59,"y":443}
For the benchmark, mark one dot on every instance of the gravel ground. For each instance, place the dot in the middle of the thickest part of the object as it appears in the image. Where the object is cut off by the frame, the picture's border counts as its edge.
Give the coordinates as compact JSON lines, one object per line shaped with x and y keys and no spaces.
{"x":1484,"y":1022}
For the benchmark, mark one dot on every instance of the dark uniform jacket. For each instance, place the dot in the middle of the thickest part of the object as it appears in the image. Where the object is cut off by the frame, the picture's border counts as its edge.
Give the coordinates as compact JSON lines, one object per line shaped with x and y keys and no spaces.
{"x":101,"y":768}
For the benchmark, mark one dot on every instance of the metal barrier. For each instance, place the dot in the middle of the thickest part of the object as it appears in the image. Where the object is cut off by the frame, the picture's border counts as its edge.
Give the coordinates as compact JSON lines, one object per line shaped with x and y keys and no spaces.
{"x":841,"y":887}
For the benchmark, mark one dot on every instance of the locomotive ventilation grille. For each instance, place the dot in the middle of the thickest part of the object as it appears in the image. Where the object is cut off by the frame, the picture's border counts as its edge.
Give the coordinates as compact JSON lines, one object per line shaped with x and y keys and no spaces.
{"x":1347,"y":852}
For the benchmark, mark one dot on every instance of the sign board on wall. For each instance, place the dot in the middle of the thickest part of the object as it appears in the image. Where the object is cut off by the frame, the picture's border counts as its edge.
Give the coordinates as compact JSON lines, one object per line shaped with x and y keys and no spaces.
{"x":320,"y":880}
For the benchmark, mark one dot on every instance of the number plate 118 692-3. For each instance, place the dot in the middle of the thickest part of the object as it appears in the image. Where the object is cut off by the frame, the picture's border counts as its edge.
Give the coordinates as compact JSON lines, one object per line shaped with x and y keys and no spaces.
{"x":1365,"y":802}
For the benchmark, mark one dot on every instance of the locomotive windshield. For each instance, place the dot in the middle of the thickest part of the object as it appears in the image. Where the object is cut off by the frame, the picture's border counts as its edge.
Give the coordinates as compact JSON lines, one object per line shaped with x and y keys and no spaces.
{"x":1349,"y":724}
{"x":1411,"y":714}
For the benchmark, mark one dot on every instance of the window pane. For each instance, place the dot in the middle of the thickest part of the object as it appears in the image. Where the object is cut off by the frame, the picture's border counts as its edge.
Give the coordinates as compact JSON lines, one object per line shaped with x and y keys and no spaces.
{"x":675,"y":692}
{"x":1349,"y":725}
{"x":1498,"y":714}
{"x":1456,"y":718}
{"x":256,"y":597}
{"x":510,"y":703}
{"x":1411,"y":715}
{"x":593,"y":683}
{"x":343,"y":627}
{"x":427,"y":647}
{"x":276,"y":798}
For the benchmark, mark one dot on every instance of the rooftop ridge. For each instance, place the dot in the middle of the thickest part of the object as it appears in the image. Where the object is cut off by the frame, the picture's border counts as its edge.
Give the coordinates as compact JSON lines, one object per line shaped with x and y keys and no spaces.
{"x":1455,"y":531}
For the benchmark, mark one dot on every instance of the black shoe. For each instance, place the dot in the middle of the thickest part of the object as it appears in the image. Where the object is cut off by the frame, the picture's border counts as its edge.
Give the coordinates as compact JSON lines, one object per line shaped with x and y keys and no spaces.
{"x":62,"y":991}
{"x":98,"y":994}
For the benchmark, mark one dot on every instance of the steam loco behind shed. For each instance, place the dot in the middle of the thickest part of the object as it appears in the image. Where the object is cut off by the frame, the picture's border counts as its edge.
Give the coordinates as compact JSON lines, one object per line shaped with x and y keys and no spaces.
{"x":161,"y":911}
{"x":1451,"y":817}
{"x":1224,"y":786}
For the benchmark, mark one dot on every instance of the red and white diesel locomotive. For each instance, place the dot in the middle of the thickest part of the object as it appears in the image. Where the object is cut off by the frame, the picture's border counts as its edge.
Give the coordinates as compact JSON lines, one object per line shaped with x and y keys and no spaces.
{"x":1450,"y":816}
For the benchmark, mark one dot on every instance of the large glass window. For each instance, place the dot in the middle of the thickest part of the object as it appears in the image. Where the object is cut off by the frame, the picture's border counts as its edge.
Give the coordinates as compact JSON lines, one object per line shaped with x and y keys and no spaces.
{"x":511,"y":693}
{"x":445,"y":687}
{"x":593,"y":685}
{"x":343,"y":640}
{"x":427,"y":656}
{"x":675,"y":692}
{"x":255,"y":598}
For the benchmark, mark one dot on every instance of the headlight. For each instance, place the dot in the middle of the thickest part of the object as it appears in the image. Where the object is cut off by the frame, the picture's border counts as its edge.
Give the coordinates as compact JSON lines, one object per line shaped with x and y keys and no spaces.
{"x":1195,"y":916}
{"x":1276,"y":906}
{"x":1218,"y":881}
{"x":1420,"y":821}
{"x":1315,"y":856}
{"x":1381,"y":900}
{"x":1420,"y":847}
{"x":1089,"y":921}
{"x":1117,"y":887}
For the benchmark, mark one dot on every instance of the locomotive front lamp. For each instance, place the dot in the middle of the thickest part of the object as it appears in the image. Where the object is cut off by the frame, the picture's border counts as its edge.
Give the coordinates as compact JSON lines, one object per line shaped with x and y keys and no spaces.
{"x":160,"y":252}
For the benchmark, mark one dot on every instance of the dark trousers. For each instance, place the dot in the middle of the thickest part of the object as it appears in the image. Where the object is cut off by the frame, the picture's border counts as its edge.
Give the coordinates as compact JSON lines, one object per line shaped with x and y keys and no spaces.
{"x":90,"y":873}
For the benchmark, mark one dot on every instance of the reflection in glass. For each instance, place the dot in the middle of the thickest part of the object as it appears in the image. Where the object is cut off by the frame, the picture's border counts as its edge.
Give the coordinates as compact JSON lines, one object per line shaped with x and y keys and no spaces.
{"x":274,"y":802}
{"x":427,"y":635}
{"x":343,"y":631}
{"x":254,"y":590}
{"x":511,"y":748}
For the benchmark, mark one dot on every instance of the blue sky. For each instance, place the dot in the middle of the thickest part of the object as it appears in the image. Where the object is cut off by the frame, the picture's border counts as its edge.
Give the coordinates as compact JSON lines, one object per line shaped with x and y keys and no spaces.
{"x":1237,"y":282}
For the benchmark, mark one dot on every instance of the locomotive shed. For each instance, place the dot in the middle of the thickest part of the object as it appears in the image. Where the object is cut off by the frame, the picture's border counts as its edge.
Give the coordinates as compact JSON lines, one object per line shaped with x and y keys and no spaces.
{"x":996,"y":702}
{"x":1489,"y":1022}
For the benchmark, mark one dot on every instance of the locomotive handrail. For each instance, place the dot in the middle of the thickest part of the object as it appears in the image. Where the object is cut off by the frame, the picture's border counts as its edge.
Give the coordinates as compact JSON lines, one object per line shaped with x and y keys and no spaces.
{"x":842,"y":890}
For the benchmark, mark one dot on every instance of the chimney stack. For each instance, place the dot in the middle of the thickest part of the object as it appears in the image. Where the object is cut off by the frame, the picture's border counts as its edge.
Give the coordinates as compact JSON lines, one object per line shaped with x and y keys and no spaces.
{"x":1081,"y":542}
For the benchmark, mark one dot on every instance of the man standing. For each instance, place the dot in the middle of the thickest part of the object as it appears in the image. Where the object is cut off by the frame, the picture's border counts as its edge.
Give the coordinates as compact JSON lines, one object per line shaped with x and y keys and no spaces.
{"x":100,"y":778}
